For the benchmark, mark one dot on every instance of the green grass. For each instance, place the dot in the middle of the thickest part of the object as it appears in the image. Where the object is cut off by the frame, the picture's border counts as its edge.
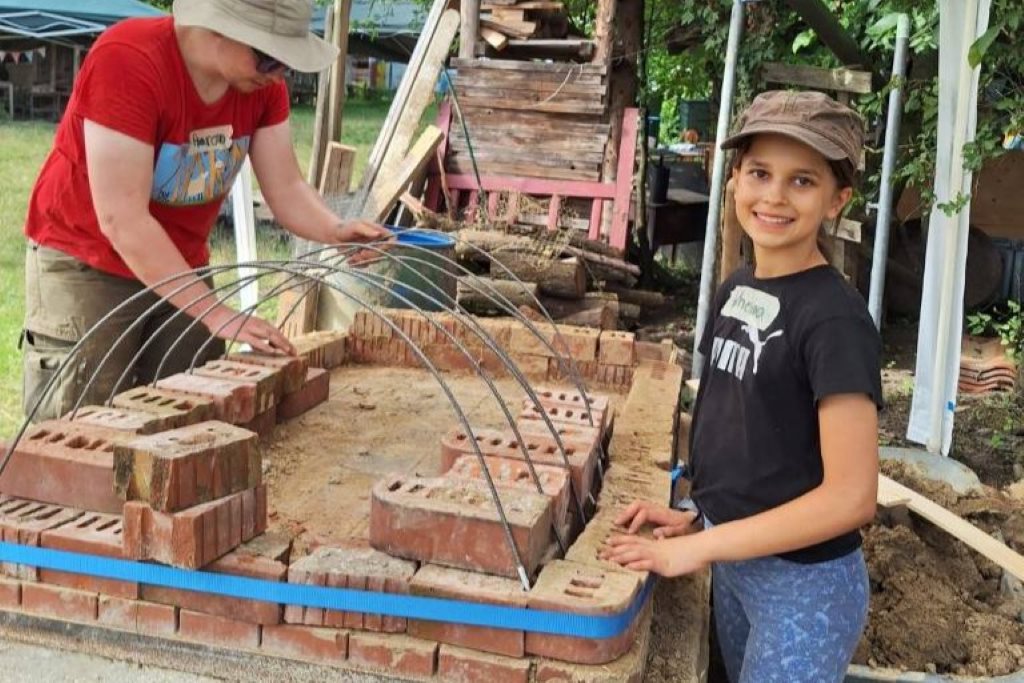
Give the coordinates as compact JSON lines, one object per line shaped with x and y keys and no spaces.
{"x":25,"y":145}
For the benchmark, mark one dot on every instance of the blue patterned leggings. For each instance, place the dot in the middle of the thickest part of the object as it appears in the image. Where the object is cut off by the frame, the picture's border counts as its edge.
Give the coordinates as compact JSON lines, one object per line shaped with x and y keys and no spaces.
{"x":782,"y":621}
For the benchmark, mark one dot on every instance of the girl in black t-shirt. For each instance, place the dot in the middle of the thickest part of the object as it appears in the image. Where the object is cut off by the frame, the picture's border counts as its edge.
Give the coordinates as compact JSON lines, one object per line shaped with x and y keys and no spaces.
{"x":784,"y":452}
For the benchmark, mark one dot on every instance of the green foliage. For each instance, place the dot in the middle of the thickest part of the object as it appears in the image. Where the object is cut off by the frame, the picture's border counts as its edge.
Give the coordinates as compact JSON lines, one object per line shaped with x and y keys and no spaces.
{"x":1006,"y":324}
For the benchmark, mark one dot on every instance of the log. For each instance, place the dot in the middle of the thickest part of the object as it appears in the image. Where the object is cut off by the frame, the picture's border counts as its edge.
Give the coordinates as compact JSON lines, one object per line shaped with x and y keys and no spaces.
{"x":473,"y":294}
{"x":641,"y":297}
{"x":563,"y":278}
{"x":576,"y":239}
{"x":564,"y":308}
{"x":601,"y":318}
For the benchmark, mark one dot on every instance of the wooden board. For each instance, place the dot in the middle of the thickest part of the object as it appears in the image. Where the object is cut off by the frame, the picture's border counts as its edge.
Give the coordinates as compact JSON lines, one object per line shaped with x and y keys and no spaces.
{"x":512,"y":65}
{"x":494,"y":38}
{"x":839,"y":80}
{"x":518,"y":29}
{"x":337,"y":172}
{"x":463,"y":166}
{"x":390,"y":187}
{"x":892,"y":493}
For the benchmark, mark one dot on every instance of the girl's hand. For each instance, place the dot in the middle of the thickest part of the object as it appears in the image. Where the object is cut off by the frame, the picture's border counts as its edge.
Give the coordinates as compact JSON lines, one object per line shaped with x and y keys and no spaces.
{"x":668,"y":522}
{"x":665,"y":557}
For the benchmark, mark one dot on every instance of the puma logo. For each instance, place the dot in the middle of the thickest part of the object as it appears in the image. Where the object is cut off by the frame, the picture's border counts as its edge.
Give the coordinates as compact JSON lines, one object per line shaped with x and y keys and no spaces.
{"x":759,"y":343}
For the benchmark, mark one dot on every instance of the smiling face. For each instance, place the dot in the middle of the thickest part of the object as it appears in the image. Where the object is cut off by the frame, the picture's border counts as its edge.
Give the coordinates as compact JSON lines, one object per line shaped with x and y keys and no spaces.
{"x":784,"y":191}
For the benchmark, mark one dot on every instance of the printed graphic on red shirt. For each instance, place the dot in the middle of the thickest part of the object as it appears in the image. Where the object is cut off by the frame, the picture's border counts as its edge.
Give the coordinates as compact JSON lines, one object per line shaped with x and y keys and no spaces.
{"x":201,"y":170}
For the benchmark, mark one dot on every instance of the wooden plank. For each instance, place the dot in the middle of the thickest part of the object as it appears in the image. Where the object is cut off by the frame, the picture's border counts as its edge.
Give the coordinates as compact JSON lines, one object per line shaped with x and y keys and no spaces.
{"x":390,"y":187}
{"x":485,"y":76}
{"x":510,"y":14}
{"x":469,"y":27}
{"x":297,"y":309}
{"x":339,"y":36}
{"x":517,"y":138}
{"x":552,"y":48}
{"x":337,"y":173}
{"x":893,"y":493}
{"x":549,"y":5}
{"x":848,"y":230}
{"x":565,"y":85}
{"x":570,"y":107}
{"x":523,"y":29}
{"x":538,"y":186}
{"x":319,"y":147}
{"x":512,"y":65}
{"x":619,"y":229}
{"x":540,"y":121}
{"x":495,"y":39}
{"x":839,"y":80}
{"x":546,"y":156}
{"x":528,"y":98}
{"x":462,"y":166}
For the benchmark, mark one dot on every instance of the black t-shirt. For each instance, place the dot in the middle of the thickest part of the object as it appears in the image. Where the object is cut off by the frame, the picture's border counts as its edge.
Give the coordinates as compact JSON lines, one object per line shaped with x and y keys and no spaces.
{"x":773,"y":348}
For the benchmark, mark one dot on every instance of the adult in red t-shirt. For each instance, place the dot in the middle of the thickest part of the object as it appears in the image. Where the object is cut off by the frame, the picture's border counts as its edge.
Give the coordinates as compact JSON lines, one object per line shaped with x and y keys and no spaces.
{"x":161,"y":118}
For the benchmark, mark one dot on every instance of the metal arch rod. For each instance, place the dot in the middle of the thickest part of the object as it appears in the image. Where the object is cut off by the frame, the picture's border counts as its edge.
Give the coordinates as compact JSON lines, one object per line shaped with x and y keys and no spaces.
{"x":48,"y":387}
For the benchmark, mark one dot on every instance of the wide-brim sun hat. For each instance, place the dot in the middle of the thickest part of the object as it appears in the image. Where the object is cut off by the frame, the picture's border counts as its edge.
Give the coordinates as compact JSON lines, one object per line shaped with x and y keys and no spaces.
{"x":813,"y":118}
{"x":278,"y":28}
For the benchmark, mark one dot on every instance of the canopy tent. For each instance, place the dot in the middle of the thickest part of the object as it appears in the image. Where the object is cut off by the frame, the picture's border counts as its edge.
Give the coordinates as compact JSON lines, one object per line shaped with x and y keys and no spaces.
{"x":53,"y":19}
{"x":387,"y":30}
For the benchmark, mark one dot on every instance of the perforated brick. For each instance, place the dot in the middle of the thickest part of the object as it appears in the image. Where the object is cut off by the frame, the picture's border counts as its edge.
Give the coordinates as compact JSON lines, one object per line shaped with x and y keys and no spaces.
{"x":581,"y":589}
{"x":91,"y":534}
{"x":177,"y":469}
{"x":291,"y":369}
{"x":576,"y":342}
{"x":434,"y":520}
{"x":554,"y":481}
{"x":456,"y":584}
{"x":23,"y":521}
{"x":121,"y":419}
{"x":264,"y":378}
{"x":359,"y":568}
{"x":233,"y":402}
{"x":563,"y":414}
{"x":173,"y":408}
{"x":65,"y":463}
{"x":617,"y":348}
{"x":598,"y":405}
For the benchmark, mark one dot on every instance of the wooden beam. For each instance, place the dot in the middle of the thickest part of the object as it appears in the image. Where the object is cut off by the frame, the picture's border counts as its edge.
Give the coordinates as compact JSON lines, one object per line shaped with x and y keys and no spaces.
{"x":316,"y":152}
{"x":892,"y":493}
{"x":337,"y":173}
{"x":838,"y":80}
{"x":469,"y":27}
{"x":391,"y":186}
{"x":831,"y":32}
{"x":342,"y":11}
{"x":495,"y":39}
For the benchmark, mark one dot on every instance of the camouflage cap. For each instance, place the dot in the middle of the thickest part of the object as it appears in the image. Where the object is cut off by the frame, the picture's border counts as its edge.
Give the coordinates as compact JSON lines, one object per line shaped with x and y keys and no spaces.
{"x":813,"y":118}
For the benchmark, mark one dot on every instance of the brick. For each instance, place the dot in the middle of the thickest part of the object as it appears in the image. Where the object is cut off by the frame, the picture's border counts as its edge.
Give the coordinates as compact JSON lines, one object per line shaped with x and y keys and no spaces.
{"x":22,"y":521}
{"x":173,"y":409}
{"x":433,"y":520}
{"x":233,"y":402}
{"x":120,"y":419}
{"x":10,"y":594}
{"x":457,"y":665}
{"x":315,"y":391}
{"x":188,"y":538}
{"x":543,"y":450}
{"x":562,"y":370}
{"x":178,"y":469}
{"x":92,"y":534}
{"x":586,"y":549}
{"x":356,"y":567}
{"x":652,"y":351}
{"x":322,"y":349}
{"x":444,"y":582}
{"x":532,"y":365}
{"x":570,"y":404}
{"x":65,"y":604}
{"x":397,"y":654}
{"x":291,"y":369}
{"x":252,"y":560}
{"x":617,"y":348}
{"x":263,"y":424}
{"x":325,"y":645}
{"x":137,"y":617}
{"x":554,"y":481}
{"x":76,"y":462}
{"x":215,"y":631}
{"x":572,"y":587}
{"x":579,"y":343}
{"x":262,"y":377}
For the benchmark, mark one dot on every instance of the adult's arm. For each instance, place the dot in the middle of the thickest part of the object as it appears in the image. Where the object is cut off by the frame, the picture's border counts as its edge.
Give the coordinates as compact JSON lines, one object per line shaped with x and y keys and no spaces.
{"x":120,"y":171}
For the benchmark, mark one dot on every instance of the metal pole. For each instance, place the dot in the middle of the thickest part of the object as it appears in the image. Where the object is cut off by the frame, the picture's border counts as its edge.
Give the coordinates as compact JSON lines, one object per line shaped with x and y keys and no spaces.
{"x":707,"y":272}
{"x":892,"y":134}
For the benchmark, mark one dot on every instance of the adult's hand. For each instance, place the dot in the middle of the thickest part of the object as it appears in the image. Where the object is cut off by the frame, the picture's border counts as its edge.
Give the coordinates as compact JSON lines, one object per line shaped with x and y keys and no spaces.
{"x":362,"y":232}
{"x":231,"y":325}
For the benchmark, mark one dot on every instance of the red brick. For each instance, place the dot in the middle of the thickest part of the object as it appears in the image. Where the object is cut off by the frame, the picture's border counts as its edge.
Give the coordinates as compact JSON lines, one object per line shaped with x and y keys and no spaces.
{"x":548,"y":671}
{"x":233,"y":402}
{"x":531,"y":365}
{"x":565,"y":370}
{"x":263,"y":378}
{"x":554,"y":481}
{"x":171,"y":470}
{"x":264,"y":423}
{"x":356,"y":567}
{"x":120,"y":419}
{"x":457,"y":665}
{"x":92,"y":534}
{"x":291,"y":369}
{"x":215,"y":631}
{"x":572,"y":587}
{"x":456,"y":584}
{"x":315,"y":391}
{"x":397,"y":654}
{"x":305,"y":642}
{"x":189,"y":538}
{"x":653,"y":351}
{"x":322,"y":349}
{"x":77,"y":460}
{"x":172,"y":408}
{"x":433,"y":520}
{"x":10,"y":594}
{"x":62,"y":603}
{"x":22,"y":521}
{"x":138,"y":617}
{"x":561,"y":414}
{"x":598,"y":405}
{"x":245,"y":561}
{"x":617,"y":348}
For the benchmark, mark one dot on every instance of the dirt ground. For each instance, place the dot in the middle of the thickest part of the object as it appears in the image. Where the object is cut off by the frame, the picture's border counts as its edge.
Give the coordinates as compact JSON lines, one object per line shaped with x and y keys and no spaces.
{"x":936,"y":605}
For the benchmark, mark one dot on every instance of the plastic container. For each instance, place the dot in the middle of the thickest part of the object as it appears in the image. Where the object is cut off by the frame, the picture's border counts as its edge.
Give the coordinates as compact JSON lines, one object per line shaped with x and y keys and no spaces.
{"x":405,"y":276}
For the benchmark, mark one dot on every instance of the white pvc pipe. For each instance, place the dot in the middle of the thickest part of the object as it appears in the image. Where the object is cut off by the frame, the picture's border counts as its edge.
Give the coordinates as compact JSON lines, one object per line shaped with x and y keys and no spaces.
{"x":707,"y":271}
{"x":245,"y":231}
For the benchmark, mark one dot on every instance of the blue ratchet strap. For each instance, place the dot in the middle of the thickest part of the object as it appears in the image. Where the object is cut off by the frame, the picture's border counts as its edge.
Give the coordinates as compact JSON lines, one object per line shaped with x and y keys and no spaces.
{"x":435,"y":609}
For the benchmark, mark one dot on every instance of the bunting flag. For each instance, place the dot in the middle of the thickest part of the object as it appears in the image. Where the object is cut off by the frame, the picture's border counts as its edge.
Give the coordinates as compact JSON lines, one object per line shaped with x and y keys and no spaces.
{"x":19,"y":56}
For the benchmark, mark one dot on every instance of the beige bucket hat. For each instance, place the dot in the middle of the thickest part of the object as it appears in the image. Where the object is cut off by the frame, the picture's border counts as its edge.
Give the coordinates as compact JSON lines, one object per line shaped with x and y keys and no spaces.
{"x":279,"y":28}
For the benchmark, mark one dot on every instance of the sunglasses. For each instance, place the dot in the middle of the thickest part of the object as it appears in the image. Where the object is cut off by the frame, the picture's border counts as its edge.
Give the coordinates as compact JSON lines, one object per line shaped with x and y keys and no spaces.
{"x":266,"y":64}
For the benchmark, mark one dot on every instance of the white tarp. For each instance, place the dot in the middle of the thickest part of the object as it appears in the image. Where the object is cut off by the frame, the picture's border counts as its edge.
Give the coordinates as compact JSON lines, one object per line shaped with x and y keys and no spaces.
{"x":961,"y":22}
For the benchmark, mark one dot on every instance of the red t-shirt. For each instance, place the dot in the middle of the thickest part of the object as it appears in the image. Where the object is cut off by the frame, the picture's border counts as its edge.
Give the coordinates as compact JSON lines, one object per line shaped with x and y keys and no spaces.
{"x":134,"y":81}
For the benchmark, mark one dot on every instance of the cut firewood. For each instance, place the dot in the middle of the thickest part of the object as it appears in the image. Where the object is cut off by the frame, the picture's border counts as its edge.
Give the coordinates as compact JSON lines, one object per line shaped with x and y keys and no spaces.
{"x":892,"y":493}
{"x":602,"y":318}
{"x":509,"y":15}
{"x":563,"y":278}
{"x":564,"y":308}
{"x":641,"y":297}
{"x":474,"y":294}
{"x":516,"y":29}
{"x":495,"y":39}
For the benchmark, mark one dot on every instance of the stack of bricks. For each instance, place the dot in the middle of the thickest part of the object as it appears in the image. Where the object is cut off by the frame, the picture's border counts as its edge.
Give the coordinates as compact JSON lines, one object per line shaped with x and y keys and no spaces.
{"x":540,"y":350}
